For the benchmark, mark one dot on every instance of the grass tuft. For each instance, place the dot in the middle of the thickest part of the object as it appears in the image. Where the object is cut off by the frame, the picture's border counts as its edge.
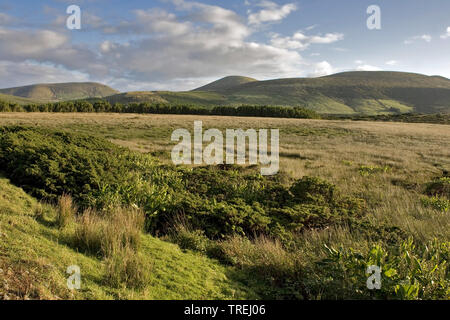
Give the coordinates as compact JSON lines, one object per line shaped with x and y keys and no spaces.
{"x":105,"y":235}
{"x":66,"y":211}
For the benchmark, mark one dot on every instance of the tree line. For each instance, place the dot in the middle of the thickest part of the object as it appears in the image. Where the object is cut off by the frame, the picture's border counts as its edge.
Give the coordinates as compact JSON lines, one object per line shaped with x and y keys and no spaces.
{"x":157,"y":108}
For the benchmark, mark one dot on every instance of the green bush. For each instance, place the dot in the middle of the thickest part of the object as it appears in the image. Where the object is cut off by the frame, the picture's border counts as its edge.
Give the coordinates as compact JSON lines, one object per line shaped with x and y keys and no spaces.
{"x":190,"y":240}
{"x":409,"y":271}
{"x":312,"y":189}
{"x":50,"y":163}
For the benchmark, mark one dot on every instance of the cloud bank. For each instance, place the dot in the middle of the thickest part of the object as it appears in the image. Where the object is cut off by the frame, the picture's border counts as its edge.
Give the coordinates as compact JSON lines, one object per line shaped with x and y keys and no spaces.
{"x":158,"y":49}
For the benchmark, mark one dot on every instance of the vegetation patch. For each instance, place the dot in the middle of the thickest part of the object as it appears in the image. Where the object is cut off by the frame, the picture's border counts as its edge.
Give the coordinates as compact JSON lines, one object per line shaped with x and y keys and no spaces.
{"x":219,"y":202}
{"x":439,"y":187}
{"x":371,"y":170}
{"x":435,"y":202}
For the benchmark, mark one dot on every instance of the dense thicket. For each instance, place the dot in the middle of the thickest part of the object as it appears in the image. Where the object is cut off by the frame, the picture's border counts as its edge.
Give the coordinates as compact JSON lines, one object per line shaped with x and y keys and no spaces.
{"x":148,"y":108}
{"x":218,"y":201}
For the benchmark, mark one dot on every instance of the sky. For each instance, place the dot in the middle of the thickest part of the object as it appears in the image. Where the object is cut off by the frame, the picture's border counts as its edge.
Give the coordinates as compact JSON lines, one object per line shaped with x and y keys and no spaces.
{"x":138,"y":45}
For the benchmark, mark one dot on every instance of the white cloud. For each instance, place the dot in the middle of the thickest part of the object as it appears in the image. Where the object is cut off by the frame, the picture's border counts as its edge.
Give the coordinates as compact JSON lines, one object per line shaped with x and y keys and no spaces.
{"x":157,"y":49}
{"x":14,"y":74}
{"x":300,"y":41}
{"x":321,"y":69}
{"x":5,"y":19}
{"x":271,"y":12}
{"x":447,"y":34}
{"x":392,"y":62}
{"x":28,"y":44}
{"x":170,"y":48}
{"x":424,"y":37}
{"x":368,"y":67}
{"x":47,"y":46}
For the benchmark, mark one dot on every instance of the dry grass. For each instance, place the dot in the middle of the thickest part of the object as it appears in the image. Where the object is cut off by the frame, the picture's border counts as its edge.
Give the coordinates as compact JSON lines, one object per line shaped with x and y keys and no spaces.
{"x":125,"y":268}
{"x":267,"y":256}
{"x":115,"y":236}
{"x":106,"y":235}
{"x":66,"y":211}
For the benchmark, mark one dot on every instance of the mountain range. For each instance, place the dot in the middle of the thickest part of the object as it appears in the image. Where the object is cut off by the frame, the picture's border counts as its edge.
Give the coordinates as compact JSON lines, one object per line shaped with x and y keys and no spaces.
{"x":371,"y":92}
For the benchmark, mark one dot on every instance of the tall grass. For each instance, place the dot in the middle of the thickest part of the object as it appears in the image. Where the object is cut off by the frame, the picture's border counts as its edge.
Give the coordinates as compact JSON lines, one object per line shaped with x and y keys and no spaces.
{"x":66,"y":211}
{"x":125,"y":268}
{"x":115,"y":236}
{"x":104,"y":235}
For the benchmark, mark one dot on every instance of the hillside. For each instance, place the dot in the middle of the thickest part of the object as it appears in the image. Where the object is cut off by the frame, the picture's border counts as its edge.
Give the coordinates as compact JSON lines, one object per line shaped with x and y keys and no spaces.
{"x":226,"y":83}
{"x":351,"y":92}
{"x":61,"y":91}
{"x":13,"y":99}
{"x":136,"y":96}
{"x":348,"y":93}
{"x":35,"y":255}
{"x":365,"y":93}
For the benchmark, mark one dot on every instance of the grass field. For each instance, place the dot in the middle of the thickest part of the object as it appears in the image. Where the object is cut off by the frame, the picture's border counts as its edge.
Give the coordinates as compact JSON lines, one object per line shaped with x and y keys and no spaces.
{"x":386,"y":164}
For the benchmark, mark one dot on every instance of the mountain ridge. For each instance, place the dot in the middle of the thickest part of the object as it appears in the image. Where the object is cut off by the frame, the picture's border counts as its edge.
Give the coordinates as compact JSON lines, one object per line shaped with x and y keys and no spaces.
{"x":225,"y":83}
{"x":346,"y":93}
{"x":54,"y":92}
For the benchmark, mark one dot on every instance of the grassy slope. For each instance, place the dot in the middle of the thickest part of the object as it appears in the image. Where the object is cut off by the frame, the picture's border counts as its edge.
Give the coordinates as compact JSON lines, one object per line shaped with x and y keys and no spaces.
{"x":225,"y":83}
{"x":61,"y":91}
{"x":136,"y":96}
{"x":34,"y":256}
{"x":353,"y":92}
{"x":14,"y":99}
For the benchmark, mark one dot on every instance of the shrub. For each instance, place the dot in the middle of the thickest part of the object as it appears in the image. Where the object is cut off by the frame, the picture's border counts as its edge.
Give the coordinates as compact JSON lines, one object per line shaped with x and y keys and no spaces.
{"x":49,"y":163}
{"x":312,"y":189}
{"x":190,"y":240}
{"x":409,"y":271}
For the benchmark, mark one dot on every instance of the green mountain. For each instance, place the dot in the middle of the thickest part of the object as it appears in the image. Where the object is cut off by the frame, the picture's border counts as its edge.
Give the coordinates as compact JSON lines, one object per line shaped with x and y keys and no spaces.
{"x":366,"y":93}
{"x":350,"y":92}
{"x":61,"y":91}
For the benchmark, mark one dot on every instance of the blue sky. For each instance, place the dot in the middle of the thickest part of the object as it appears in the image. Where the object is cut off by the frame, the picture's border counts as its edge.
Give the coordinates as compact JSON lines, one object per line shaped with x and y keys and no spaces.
{"x":181,"y":44}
